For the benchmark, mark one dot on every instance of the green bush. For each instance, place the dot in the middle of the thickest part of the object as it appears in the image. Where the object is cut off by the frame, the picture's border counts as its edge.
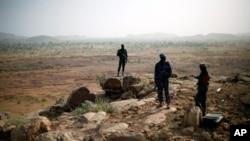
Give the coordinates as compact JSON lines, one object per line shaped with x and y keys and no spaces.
{"x":100,"y":105}
{"x":85,"y":107}
{"x":60,"y":100}
{"x":15,"y":121}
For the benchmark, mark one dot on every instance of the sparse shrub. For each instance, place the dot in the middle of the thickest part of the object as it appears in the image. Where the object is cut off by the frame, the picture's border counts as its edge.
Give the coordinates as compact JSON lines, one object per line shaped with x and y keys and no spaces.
{"x":15,"y":121}
{"x":60,"y":100}
{"x":100,"y":105}
{"x":44,"y":100}
{"x":85,"y":107}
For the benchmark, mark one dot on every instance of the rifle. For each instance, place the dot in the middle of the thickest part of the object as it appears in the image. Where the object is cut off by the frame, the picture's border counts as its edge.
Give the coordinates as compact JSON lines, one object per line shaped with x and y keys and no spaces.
{"x":198,"y":104}
{"x":155,"y":87}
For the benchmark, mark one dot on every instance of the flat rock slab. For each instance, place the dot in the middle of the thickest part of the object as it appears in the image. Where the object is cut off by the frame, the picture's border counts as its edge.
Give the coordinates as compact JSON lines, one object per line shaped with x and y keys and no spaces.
{"x":60,"y":135}
{"x":112,"y":127}
{"x":124,"y":105}
{"x":158,"y":115}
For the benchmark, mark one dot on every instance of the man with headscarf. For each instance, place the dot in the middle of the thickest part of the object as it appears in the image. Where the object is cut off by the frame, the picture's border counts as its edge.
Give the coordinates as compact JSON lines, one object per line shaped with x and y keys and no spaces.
{"x":123,"y":57}
{"x":163,"y":72}
{"x":203,"y":82}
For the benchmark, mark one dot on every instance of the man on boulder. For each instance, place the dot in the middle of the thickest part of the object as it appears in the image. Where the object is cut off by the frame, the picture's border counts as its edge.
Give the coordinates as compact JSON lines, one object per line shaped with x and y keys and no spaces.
{"x":123,"y":57}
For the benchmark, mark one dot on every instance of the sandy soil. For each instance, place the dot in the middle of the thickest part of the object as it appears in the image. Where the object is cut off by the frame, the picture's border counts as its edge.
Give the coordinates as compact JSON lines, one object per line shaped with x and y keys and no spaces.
{"x":35,"y":81}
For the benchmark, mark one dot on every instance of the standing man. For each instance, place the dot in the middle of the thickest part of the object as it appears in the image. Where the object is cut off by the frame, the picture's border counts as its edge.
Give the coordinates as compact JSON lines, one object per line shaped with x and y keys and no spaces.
{"x":123,"y":57}
{"x":162,"y":73}
{"x":203,"y":80}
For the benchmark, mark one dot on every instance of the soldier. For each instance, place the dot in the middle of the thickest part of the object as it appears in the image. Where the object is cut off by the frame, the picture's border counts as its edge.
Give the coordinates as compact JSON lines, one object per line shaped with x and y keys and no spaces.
{"x":202,"y":84}
{"x":123,"y":57}
{"x":162,"y":73}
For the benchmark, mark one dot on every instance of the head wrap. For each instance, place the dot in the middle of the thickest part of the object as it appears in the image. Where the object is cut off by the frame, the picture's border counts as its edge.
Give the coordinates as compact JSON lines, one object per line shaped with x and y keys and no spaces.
{"x":162,"y":55}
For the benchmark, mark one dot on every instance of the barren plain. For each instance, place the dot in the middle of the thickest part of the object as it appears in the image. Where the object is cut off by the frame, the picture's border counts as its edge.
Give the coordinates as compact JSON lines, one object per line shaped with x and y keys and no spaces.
{"x":34,"y":78}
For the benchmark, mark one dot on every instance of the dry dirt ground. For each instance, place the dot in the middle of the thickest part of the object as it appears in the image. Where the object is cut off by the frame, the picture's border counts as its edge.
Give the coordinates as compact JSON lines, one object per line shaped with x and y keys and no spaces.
{"x":32,"y":80}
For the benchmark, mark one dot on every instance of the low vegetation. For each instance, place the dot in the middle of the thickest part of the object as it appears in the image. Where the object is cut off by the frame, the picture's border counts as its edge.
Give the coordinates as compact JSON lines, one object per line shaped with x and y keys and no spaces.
{"x":99,"y":105}
{"x":15,"y":121}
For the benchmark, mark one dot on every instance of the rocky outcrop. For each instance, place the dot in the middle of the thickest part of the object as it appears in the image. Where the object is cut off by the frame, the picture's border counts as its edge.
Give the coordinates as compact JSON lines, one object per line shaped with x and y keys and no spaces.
{"x":135,"y":83}
{"x":108,"y":128}
{"x":95,"y":118}
{"x":138,"y":119}
{"x":112,"y":85}
{"x":244,"y":77}
{"x":60,"y":135}
{"x":192,"y":117}
{"x":241,"y":77}
{"x":30,"y":129}
{"x":124,"y":105}
{"x":78,"y":96}
{"x":117,"y":86}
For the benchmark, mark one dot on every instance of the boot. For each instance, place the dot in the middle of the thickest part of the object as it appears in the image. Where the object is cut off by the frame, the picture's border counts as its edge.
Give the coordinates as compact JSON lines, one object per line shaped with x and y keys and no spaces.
{"x":160,"y":105}
{"x":168,"y":107}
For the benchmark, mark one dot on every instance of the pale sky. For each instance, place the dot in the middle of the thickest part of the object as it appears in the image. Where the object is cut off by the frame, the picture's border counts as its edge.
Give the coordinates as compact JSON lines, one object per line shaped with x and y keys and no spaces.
{"x":118,"y":18}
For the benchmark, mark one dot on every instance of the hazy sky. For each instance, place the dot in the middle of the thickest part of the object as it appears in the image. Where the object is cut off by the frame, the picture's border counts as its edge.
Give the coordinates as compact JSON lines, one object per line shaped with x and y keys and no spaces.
{"x":118,"y":18}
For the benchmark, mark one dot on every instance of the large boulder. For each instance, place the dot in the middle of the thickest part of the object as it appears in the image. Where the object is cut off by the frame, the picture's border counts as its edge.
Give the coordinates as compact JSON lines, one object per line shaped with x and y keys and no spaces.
{"x":192,"y":117}
{"x":78,"y":96}
{"x":112,"y":83}
{"x":30,"y":129}
{"x":115,"y":86}
{"x":134,"y":83}
{"x":112,"y":86}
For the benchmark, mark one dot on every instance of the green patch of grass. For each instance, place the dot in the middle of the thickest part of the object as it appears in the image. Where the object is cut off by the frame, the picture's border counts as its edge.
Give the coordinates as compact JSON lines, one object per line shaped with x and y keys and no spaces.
{"x":85,"y":107}
{"x":15,"y":121}
{"x":43,"y":100}
{"x":60,"y":100}
{"x":100,"y":105}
